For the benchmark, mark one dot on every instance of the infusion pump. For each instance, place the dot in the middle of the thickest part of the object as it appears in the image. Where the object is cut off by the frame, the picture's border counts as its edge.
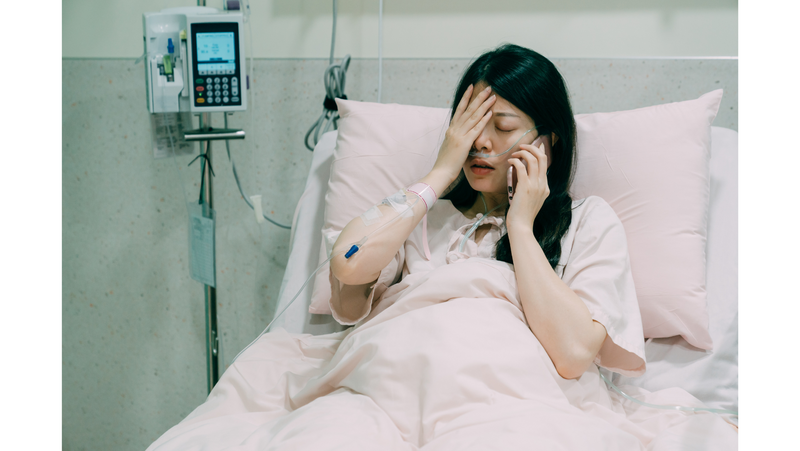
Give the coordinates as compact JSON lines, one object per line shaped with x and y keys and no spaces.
{"x":194,"y":60}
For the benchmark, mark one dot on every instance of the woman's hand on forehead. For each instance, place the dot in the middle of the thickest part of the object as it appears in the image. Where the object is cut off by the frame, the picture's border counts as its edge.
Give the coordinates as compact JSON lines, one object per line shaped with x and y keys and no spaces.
{"x":468,"y":122}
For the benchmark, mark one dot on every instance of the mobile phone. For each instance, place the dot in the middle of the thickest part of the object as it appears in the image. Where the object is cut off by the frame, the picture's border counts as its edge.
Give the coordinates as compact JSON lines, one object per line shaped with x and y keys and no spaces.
{"x":512,"y":173}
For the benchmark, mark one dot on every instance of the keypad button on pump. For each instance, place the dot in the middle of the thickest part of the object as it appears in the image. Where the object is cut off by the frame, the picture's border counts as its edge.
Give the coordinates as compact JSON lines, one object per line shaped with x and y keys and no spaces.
{"x":200,"y":88}
{"x":217,"y":99}
{"x":234,"y":81}
{"x":199,"y":81}
{"x":225,"y":93}
{"x":209,"y":80}
{"x":224,"y":86}
{"x":225,"y":100}
{"x":201,"y":100}
{"x":216,"y":86}
{"x":210,"y":100}
{"x":224,"y":79}
{"x":216,"y":79}
{"x":217,"y":93}
{"x":234,"y":92}
{"x":234,"y":99}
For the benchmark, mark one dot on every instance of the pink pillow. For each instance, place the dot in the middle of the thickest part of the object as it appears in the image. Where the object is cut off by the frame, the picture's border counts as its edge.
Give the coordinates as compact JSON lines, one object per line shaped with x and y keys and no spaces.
{"x":652,"y":166}
{"x":380,"y":148}
{"x":649,"y":164}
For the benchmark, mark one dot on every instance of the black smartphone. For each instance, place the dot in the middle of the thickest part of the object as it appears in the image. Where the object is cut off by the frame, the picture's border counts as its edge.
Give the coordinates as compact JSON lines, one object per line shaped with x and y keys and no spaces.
{"x":512,"y":173}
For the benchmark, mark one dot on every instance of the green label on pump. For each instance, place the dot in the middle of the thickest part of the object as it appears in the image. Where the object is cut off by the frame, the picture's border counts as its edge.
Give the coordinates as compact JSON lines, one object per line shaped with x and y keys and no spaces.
{"x":167,"y":65}
{"x":199,"y":81}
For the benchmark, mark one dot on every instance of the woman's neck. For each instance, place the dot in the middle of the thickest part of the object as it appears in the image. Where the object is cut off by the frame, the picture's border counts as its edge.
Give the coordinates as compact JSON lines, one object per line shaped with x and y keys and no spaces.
{"x":486,"y":202}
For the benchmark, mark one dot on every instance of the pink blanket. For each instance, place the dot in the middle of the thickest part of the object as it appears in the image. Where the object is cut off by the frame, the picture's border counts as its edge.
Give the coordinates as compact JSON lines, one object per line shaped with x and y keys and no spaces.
{"x":448,"y":363}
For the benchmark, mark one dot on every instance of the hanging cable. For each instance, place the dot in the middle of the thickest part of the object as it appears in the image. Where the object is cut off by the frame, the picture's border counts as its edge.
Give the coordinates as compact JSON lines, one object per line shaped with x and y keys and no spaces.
{"x":380,"y":48}
{"x":334,"y":80}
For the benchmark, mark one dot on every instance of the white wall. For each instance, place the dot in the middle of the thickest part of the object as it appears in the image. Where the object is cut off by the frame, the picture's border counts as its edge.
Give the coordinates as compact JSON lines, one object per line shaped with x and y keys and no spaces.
{"x":433,"y":28}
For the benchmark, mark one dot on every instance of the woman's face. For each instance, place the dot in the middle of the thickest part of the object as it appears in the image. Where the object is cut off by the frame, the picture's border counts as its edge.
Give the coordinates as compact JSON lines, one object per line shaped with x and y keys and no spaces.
{"x":507,"y":124}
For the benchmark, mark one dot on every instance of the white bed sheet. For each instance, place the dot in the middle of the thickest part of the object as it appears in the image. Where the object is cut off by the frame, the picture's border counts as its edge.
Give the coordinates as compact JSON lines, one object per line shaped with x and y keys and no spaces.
{"x":711,"y":376}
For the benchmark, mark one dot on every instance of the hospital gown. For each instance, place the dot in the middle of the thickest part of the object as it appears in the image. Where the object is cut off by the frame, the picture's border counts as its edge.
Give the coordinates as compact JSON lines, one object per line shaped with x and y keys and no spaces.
{"x":441,"y":358}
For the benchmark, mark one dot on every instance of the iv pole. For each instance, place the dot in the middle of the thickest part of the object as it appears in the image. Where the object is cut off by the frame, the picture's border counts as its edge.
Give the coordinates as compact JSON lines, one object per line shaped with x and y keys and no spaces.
{"x":205,"y":135}
{"x":212,"y":339}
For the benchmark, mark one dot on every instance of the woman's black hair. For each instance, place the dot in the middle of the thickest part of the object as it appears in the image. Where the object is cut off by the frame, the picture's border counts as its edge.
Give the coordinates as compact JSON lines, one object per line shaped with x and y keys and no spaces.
{"x":531,"y":83}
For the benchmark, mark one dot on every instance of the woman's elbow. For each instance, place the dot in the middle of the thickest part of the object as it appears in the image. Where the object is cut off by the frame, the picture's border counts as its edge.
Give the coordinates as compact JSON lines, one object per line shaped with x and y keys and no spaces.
{"x":581,"y":355}
{"x":575,"y":365}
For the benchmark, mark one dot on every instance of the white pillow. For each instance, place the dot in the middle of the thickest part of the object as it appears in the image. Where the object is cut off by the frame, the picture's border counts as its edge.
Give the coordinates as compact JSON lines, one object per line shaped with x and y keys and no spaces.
{"x":652,"y":166}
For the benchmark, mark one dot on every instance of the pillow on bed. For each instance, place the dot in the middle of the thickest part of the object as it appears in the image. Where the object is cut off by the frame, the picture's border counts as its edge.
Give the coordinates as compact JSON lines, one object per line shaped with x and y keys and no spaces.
{"x":652,"y":166}
{"x":649,"y":164}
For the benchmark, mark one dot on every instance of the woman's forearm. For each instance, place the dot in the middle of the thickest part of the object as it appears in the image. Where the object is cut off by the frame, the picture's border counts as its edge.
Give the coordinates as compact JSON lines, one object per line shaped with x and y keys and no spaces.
{"x":365,"y":265}
{"x":557,"y":316}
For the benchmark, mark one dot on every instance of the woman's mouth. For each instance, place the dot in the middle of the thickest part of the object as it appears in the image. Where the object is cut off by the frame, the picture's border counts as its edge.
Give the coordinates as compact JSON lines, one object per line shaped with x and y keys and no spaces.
{"x":481,"y":168}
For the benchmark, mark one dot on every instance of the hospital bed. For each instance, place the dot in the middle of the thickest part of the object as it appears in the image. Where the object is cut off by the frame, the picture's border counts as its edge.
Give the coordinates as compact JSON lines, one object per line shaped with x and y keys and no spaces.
{"x":711,"y":376}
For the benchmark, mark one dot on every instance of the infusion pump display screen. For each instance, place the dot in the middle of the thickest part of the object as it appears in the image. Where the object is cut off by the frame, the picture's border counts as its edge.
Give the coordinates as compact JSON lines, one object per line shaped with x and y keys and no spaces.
{"x":217,"y":78}
{"x":215,"y":53}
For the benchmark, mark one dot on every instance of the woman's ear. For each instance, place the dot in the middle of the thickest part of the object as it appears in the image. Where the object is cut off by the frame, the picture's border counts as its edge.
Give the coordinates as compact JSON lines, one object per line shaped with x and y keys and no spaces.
{"x":553,"y":139}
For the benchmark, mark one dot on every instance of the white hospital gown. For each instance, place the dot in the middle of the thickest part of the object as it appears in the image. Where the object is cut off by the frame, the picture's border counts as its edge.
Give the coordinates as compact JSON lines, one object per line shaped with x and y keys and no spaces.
{"x":594,"y":263}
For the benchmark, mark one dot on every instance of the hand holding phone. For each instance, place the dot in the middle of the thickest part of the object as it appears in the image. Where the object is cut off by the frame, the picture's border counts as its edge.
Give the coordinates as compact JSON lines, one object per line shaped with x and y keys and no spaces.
{"x":512,"y":173}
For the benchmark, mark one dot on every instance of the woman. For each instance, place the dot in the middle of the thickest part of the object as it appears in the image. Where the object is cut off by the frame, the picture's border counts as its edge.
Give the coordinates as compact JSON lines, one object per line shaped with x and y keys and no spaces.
{"x":503,"y":94}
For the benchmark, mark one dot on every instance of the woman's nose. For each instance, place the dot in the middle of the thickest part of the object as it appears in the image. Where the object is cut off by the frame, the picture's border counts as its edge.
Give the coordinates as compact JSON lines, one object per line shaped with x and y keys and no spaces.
{"x":483,"y":142}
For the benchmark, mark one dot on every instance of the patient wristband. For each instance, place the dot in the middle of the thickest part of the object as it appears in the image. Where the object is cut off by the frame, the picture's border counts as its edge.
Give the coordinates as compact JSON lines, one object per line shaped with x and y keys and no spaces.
{"x":425,"y":192}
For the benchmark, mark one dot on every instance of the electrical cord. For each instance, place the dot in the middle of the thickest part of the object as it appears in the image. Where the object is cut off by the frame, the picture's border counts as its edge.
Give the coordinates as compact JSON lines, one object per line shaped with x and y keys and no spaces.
{"x":380,"y":48}
{"x":334,"y":80}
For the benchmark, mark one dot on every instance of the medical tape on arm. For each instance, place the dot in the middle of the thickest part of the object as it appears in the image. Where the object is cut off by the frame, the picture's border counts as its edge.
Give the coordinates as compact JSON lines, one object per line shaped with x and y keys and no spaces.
{"x":398,"y":202}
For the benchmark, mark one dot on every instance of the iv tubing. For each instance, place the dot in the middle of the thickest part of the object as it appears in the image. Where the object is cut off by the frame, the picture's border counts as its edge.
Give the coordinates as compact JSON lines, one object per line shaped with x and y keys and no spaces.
{"x":174,"y":159}
{"x":236,"y":176}
{"x":657,"y":406}
{"x":477,"y":223}
{"x":348,"y":248}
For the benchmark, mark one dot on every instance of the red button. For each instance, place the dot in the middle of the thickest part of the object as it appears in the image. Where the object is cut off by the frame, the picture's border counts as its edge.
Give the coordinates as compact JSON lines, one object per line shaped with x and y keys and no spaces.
{"x":199,"y":88}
